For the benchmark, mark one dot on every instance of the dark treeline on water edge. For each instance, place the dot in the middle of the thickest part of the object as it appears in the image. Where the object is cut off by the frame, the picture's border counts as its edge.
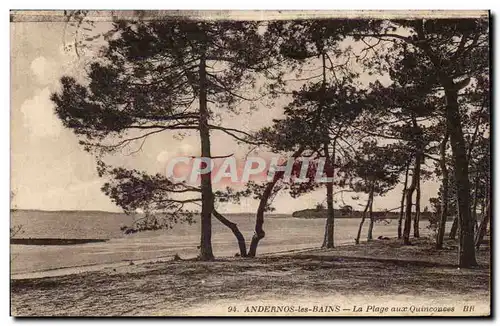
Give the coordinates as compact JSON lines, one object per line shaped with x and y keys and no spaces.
{"x":378,"y":215}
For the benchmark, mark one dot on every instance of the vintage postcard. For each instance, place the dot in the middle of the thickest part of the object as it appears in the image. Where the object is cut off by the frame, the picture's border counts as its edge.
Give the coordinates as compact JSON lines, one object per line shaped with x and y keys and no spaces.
{"x":250,"y":163}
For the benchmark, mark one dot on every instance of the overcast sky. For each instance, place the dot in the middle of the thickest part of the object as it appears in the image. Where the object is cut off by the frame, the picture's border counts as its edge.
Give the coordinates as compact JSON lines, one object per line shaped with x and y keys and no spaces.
{"x":51,"y":171}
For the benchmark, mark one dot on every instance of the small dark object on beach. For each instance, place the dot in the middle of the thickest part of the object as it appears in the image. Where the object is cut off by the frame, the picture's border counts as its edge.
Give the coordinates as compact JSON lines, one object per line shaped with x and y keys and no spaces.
{"x":383,"y":238}
{"x":237,"y":254}
{"x":177,"y":257}
{"x":131,"y":263}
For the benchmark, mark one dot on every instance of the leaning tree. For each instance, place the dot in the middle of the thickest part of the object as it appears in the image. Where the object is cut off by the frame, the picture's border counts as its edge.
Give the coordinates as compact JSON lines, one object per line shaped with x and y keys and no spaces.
{"x":323,"y":104}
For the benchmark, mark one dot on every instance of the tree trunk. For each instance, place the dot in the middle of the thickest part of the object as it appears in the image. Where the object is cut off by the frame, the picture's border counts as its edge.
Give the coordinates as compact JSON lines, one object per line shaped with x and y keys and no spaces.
{"x":363,"y":219}
{"x":325,"y":234}
{"x":409,"y":195}
{"x":483,"y":226}
{"x":416,"y":221}
{"x":454,"y":228}
{"x":370,"y":227}
{"x":259,"y":219}
{"x":402,"y":209}
{"x":207,"y":198}
{"x":484,"y":222}
{"x":444,"y":199}
{"x":467,"y":252}
{"x":484,"y":203}
{"x":474,"y":202}
{"x":330,"y":218}
{"x":234,"y":228}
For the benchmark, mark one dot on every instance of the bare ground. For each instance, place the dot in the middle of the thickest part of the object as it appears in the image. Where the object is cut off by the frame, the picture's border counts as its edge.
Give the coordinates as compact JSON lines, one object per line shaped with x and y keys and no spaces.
{"x":375,"y":269}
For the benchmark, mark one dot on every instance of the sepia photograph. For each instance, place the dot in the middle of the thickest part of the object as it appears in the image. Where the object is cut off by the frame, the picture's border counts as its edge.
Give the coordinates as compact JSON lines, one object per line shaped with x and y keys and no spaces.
{"x":250,"y":163}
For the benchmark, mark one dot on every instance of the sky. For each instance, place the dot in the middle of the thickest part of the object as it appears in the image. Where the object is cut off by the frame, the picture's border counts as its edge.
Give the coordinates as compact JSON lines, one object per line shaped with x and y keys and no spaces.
{"x":51,"y":171}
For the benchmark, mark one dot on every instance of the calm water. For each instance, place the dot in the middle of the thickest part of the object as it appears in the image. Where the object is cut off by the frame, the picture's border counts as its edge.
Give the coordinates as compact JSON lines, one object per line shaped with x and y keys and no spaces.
{"x":282,"y":233}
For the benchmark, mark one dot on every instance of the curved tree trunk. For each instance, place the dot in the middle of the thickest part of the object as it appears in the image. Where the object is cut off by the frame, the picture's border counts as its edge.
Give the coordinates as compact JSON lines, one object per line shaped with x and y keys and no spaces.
{"x":363,"y":219}
{"x":409,"y":195}
{"x":234,"y":228}
{"x":207,"y":197}
{"x":416,"y":221}
{"x":402,"y":209}
{"x":259,"y":219}
{"x":444,"y":199}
